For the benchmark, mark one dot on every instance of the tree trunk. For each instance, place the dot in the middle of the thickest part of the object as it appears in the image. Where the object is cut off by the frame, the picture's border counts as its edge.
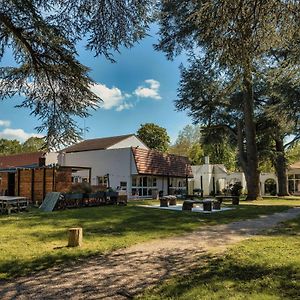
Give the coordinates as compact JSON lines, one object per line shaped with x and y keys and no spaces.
{"x":280,"y":166}
{"x":252,"y":172}
{"x":75,"y":237}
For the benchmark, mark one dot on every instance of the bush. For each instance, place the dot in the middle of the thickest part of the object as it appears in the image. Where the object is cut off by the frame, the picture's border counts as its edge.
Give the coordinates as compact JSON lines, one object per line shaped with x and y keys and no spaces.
{"x":236,"y":189}
{"x":81,"y":188}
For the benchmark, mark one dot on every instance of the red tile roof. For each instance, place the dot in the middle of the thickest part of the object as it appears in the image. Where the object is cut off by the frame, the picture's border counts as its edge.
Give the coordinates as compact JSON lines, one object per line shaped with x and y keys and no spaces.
{"x":96,"y":144}
{"x":157,"y":163}
{"x":20,"y":160}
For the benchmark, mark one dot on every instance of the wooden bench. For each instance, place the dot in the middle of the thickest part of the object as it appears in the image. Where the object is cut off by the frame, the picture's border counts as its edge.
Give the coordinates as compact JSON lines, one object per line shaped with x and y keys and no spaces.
{"x":12,"y":203}
{"x":235,"y":199}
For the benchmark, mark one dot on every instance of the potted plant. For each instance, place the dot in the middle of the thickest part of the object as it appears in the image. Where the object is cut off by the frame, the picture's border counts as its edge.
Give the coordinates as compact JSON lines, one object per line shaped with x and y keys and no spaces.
{"x":236,"y":190}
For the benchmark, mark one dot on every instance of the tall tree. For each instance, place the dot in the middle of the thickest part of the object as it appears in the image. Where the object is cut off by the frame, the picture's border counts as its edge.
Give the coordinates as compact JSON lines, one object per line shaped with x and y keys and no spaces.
{"x":34,"y":144}
{"x":10,"y":147}
{"x":234,"y":36}
{"x":188,"y":144}
{"x":43,"y":35}
{"x":154,"y":136}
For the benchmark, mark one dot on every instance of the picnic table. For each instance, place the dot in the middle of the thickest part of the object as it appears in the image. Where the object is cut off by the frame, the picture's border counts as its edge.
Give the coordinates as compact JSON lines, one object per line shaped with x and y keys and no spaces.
{"x":208,"y":204}
{"x":235,"y":199}
{"x":12,"y":203}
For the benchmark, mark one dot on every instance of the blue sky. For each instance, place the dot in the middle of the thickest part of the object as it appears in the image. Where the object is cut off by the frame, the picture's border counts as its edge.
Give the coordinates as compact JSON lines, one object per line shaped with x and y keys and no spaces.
{"x":139,"y":88}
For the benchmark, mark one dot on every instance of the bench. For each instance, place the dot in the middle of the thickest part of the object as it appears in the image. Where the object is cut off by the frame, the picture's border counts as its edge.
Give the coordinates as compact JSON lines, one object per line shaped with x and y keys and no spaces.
{"x":11,"y":203}
{"x":165,"y":201}
{"x":208,"y":204}
{"x":189,"y":204}
{"x":235,"y":199}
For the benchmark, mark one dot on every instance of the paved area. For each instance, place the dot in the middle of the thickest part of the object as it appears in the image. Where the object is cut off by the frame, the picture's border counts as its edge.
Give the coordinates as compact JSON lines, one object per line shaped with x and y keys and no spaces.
{"x":124,"y":273}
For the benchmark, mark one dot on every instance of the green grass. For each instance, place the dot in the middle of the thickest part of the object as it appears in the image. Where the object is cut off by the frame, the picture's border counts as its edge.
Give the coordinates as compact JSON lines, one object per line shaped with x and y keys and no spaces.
{"x":35,"y":240}
{"x":266,"y":267}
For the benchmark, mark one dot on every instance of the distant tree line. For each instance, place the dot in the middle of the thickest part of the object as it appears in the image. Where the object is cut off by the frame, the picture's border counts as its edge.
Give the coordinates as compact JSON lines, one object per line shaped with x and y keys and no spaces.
{"x":33,"y":144}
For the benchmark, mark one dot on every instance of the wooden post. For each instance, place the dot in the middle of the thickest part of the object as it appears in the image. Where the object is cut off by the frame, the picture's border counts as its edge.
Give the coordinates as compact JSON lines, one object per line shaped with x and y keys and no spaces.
{"x":75,"y":237}
{"x":32,"y":186}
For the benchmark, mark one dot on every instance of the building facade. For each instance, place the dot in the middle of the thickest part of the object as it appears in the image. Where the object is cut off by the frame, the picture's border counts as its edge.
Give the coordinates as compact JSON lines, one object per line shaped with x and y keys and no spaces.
{"x":213,"y":178}
{"x":126,"y":163}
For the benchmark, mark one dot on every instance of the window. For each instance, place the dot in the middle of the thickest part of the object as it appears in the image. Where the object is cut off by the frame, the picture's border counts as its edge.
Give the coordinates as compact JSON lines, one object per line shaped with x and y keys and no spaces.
{"x":102,"y":180}
{"x":154,"y":181}
{"x":143,"y":185}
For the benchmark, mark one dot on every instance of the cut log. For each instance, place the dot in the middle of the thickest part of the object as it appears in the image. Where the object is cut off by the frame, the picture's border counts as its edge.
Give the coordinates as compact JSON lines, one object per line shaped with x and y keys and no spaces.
{"x":75,"y":237}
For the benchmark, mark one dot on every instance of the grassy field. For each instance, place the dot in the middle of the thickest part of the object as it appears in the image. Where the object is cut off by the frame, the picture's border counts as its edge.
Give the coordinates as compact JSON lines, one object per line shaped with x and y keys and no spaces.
{"x":35,"y":240}
{"x":266,"y":267}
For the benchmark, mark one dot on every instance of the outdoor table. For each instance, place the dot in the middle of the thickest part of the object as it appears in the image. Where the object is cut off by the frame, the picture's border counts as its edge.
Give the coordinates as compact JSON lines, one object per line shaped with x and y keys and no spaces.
{"x":208,"y":204}
{"x":235,"y":199}
{"x":9,"y":203}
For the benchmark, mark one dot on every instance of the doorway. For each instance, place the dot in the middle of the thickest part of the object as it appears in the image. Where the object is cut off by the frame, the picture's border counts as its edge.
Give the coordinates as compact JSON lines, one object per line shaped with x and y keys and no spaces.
{"x":11,"y":184}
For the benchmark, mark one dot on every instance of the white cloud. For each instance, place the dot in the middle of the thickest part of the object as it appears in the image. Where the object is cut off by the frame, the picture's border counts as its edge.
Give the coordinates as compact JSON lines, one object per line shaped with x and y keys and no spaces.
{"x":124,"y":106}
{"x":4,"y":123}
{"x":18,"y":134}
{"x":149,"y":92}
{"x":112,"y":97}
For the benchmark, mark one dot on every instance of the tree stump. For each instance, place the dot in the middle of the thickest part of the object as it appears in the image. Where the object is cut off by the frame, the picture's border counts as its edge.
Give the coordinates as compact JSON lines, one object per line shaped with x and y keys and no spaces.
{"x":75,"y":237}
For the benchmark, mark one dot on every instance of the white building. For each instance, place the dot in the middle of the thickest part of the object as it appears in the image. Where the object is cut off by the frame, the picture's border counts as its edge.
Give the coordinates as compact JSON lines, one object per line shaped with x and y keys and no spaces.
{"x":126,"y":162}
{"x":213,"y":178}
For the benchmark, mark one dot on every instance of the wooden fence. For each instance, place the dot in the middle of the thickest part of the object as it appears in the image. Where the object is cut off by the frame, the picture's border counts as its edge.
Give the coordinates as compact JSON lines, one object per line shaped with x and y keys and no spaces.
{"x":34,"y":184}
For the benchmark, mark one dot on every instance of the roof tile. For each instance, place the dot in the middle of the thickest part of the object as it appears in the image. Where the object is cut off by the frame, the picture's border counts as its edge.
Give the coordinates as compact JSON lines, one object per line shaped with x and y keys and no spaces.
{"x":158,"y":163}
{"x":96,"y":144}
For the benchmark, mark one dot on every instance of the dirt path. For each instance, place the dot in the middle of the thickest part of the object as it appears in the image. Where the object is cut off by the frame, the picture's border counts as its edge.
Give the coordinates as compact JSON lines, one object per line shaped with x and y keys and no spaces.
{"x":124,"y":273}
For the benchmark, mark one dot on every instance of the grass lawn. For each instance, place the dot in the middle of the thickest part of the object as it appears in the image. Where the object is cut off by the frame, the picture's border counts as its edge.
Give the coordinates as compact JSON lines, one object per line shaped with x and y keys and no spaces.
{"x":266,"y":267}
{"x":36,"y":240}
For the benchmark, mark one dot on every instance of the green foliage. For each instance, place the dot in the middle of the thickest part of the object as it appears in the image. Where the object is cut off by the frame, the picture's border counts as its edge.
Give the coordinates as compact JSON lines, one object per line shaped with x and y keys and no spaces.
{"x":10,"y":147}
{"x":293,"y":153}
{"x":221,"y":153}
{"x":33,"y":144}
{"x":154,"y":136}
{"x":188,"y":144}
{"x":228,"y":43}
{"x":43,"y":35}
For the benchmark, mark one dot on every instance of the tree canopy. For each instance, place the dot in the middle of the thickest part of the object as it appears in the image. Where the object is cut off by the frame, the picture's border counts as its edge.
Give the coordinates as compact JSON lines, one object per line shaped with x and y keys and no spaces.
{"x":42,"y":35}
{"x":33,"y":144}
{"x":154,"y":136}
{"x":234,"y":39}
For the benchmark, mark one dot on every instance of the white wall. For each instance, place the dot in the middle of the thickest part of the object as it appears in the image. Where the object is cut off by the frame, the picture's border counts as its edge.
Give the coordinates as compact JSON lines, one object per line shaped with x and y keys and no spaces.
{"x":131,"y":141}
{"x":51,"y":158}
{"x":118,"y":163}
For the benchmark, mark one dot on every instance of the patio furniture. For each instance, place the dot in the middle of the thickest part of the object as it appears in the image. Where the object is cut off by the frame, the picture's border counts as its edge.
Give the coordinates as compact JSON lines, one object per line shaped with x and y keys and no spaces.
{"x":217,"y":205}
{"x":168,"y":200}
{"x":235,"y":199}
{"x":13,"y":203}
{"x":207,"y":205}
{"x":189,"y":204}
{"x":164,"y":202}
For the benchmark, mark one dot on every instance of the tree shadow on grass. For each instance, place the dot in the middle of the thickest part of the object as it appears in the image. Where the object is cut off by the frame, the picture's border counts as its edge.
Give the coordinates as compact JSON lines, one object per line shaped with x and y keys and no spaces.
{"x":223,"y":279}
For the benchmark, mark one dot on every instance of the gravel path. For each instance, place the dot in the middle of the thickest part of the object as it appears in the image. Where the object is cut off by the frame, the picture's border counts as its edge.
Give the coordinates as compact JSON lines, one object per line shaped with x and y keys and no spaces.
{"x":124,"y":273}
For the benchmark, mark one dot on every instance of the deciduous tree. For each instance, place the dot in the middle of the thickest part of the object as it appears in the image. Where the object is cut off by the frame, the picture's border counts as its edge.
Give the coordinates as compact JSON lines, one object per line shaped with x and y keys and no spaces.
{"x":154,"y":136}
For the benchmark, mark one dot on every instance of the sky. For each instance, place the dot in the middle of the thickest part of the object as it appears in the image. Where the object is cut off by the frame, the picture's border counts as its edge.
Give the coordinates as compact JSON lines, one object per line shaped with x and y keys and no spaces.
{"x":139,"y":88}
